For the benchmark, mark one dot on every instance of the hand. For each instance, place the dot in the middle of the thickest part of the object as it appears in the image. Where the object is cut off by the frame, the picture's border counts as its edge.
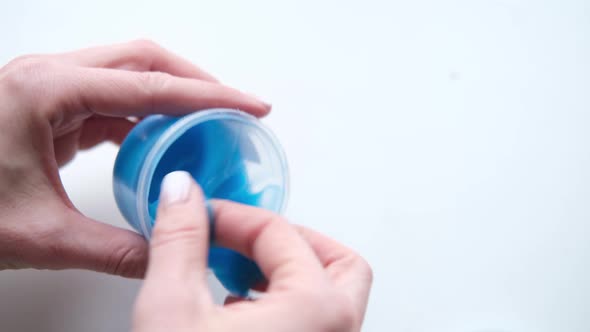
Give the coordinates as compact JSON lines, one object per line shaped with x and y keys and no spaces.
{"x":55,"y":105}
{"x":315,"y":284}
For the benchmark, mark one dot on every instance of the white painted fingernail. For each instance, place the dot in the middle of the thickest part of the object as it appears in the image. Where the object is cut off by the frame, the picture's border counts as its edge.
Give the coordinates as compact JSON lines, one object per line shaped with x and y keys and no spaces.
{"x":175,"y":188}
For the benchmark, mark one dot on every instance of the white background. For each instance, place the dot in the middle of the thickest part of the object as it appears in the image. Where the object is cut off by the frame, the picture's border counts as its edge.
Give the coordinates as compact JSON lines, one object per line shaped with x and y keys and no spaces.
{"x":446,"y":141}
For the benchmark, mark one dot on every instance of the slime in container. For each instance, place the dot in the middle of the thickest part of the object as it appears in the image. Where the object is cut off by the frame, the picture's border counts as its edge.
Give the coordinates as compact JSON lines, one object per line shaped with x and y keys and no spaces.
{"x":230,"y":154}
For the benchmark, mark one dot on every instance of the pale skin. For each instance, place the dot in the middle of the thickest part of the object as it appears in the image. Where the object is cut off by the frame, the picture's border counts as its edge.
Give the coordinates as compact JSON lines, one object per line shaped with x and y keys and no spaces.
{"x":55,"y":105}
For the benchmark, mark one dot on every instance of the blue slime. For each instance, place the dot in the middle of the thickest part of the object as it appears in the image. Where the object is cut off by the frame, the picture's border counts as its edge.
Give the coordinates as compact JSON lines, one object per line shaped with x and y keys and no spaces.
{"x":227,"y":158}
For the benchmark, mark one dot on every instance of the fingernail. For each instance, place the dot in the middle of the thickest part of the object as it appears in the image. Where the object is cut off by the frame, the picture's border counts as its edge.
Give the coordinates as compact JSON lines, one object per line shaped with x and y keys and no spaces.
{"x":175,"y":188}
{"x":267,"y":104}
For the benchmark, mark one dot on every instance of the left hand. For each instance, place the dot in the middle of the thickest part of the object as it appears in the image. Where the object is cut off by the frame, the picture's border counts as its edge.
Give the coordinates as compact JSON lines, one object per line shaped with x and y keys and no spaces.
{"x":54,"y":105}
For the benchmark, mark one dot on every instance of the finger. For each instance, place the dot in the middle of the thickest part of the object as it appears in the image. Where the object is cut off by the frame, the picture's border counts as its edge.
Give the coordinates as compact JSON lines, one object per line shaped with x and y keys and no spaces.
{"x":92,"y":245}
{"x":96,"y":130}
{"x":346,"y":268}
{"x":120,"y":93}
{"x":140,"y":55}
{"x":329,"y":252}
{"x":180,"y":238}
{"x":282,"y":254}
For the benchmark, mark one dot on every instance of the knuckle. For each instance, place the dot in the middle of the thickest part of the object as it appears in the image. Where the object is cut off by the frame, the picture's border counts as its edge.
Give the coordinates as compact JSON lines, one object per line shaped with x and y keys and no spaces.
{"x":177,"y":227}
{"x":154,"y":81}
{"x":26,"y":74}
{"x":358,"y":266}
{"x":163,"y":236}
{"x":143,"y":52}
{"x":270,"y":223}
{"x":365,"y":269}
{"x":27,"y":64}
{"x":23,"y":59}
{"x":154,"y":78}
{"x":127,"y":262}
{"x":146,"y":45}
{"x":151,"y":84}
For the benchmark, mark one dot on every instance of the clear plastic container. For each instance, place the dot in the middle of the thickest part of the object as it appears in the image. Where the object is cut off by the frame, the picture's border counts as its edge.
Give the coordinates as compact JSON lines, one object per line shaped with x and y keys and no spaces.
{"x":229,"y":153}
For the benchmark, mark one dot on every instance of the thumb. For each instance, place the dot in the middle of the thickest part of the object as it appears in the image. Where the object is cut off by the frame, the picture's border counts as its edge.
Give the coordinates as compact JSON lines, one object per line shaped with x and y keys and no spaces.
{"x":104,"y":248}
{"x":179,"y":244}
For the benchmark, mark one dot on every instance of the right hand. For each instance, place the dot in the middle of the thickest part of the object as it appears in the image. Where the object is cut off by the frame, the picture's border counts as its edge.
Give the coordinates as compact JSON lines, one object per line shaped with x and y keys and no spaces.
{"x":314,"y":283}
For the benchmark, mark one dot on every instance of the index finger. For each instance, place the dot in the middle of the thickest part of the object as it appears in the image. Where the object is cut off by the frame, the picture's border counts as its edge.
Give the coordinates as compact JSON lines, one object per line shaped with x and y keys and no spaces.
{"x":139,"y":55}
{"x":283,"y":255}
{"x":346,"y":268}
{"x":122,"y":93}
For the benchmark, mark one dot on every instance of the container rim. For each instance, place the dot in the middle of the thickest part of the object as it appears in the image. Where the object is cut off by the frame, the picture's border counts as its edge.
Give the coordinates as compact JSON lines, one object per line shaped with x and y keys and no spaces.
{"x":177,"y":129}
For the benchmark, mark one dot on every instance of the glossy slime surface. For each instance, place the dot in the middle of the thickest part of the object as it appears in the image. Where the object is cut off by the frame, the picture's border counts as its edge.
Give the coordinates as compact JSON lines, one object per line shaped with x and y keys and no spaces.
{"x":229,"y":159}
